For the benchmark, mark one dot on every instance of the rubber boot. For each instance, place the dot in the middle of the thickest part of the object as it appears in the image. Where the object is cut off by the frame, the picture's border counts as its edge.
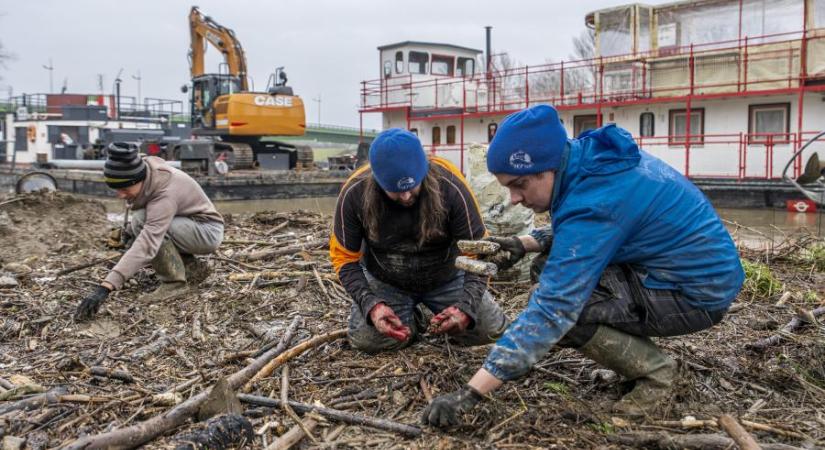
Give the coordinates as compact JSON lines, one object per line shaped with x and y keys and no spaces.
{"x":636,"y":358}
{"x":170,"y":269}
{"x":196,"y":270}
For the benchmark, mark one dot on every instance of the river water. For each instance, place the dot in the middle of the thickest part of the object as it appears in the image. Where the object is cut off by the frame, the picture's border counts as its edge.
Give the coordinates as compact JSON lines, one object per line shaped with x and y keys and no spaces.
{"x":749,"y":226}
{"x":770,"y":224}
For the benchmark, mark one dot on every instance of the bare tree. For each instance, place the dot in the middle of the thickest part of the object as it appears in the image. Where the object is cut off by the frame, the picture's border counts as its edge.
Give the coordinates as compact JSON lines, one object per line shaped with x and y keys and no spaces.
{"x":513,"y":80}
{"x":584,"y":45}
{"x":581,"y":76}
{"x":5,"y":56}
{"x":503,"y":64}
{"x":508,"y":80}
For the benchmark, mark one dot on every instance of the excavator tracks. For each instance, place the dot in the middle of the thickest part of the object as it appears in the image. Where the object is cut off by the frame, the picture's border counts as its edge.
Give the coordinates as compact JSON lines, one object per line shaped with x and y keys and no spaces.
{"x":243,"y":156}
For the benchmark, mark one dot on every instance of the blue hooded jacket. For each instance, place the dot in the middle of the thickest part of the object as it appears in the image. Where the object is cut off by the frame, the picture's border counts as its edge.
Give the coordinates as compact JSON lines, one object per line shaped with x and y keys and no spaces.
{"x":615,"y":204}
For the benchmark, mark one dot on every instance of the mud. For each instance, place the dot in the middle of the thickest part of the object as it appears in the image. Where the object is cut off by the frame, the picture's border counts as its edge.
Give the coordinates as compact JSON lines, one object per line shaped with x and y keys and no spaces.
{"x":36,"y":225}
{"x":178,"y":349}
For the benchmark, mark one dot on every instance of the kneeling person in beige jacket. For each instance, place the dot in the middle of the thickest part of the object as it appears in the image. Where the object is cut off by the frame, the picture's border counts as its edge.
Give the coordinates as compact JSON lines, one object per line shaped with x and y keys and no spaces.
{"x":172,"y":220}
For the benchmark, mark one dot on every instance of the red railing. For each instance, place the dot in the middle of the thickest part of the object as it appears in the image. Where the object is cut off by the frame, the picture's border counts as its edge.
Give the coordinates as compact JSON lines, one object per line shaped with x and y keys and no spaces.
{"x":738,"y":156}
{"x":769,"y":63}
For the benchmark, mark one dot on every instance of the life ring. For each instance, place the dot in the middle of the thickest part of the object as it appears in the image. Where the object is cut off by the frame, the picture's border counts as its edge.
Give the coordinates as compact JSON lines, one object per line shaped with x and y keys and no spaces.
{"x":801,"y":206}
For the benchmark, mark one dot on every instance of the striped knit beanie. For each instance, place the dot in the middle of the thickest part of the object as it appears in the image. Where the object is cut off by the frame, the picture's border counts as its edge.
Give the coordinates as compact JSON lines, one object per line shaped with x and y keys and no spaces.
{"x":124,"y":167}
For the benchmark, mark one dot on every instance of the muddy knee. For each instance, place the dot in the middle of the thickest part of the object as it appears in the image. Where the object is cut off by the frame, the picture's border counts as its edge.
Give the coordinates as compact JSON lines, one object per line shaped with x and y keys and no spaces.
{"x":490,"y":324}
{"x":371,"y":341}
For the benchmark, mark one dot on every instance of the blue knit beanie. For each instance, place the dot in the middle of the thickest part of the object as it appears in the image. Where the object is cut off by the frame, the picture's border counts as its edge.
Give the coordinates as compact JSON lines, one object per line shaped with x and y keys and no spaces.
{"x":529,"y":141}
{"x":398,"y":160}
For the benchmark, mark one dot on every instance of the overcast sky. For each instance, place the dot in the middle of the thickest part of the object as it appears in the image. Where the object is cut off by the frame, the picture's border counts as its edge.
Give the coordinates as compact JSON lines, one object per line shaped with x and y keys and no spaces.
{"x":327,"y":46}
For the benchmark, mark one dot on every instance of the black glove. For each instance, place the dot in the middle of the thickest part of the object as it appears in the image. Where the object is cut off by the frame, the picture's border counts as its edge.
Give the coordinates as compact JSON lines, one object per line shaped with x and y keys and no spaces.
{"x":446,"y":410}
{"x":511,"y":245}
{"x":91,"y":304}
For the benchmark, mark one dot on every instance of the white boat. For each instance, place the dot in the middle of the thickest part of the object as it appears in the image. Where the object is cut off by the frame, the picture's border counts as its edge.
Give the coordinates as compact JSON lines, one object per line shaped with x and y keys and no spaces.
{"x":39,"y":128}
{"x":718,"y":89}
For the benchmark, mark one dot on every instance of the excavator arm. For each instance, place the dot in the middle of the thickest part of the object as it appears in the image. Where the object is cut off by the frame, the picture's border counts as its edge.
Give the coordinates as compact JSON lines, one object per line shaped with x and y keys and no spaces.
{"x":203,"y":29}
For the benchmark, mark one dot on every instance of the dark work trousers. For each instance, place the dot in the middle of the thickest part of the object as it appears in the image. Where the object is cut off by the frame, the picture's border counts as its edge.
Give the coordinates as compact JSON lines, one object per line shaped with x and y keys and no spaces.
{"x":622,"y":302}
{"x":489,"y":326}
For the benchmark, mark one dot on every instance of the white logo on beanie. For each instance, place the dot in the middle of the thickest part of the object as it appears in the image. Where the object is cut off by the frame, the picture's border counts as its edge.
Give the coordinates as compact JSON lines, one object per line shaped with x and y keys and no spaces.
{"x":405,"y":184}
{"x":521,"y":160}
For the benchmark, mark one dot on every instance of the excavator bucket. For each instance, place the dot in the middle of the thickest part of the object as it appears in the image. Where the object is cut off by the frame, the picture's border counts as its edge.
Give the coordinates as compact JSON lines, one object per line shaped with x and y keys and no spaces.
{"x":814,"y":169}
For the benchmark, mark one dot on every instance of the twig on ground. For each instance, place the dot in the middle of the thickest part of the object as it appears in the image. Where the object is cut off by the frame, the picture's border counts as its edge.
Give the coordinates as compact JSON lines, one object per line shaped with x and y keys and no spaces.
{"x":285,"y":403}
{"x":146,"y":431}
{"x":742,"y":438}
{"x":291,"y":353}
{"x":789,"y":328}
{"x":352,"y":419}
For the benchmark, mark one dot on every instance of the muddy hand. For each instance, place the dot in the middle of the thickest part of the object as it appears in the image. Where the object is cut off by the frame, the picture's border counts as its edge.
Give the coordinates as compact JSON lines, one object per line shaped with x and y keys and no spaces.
{"x":387,"y":323}
{"x":446,"y":410}
{"x":91,"y":304}
{"x":452,"y":320}
{"x":512,"y":250}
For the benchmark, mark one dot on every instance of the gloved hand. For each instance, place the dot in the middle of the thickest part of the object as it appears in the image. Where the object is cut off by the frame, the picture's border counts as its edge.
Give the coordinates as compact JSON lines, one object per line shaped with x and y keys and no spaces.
{"x":451,"y":320}
{"x":511,"y":245}
{"x":388,"y":324}
{"x":91,"y":304}
{"x":446,"y":410}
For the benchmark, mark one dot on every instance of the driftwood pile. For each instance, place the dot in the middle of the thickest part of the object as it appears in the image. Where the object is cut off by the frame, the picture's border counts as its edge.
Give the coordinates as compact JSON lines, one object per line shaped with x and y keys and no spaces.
{"x":256,"y":357}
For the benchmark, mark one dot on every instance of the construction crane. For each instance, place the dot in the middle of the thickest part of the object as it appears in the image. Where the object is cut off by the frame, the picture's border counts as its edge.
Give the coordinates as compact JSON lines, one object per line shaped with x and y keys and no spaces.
{"x":225,"y":111}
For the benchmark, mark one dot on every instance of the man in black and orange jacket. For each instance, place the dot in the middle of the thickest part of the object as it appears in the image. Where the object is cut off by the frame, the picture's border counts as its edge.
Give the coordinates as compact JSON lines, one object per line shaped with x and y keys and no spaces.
{"x":393,"y":246}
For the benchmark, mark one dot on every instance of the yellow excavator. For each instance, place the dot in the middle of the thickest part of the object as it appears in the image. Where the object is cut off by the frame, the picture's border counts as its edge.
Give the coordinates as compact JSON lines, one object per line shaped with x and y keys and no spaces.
{"x":234,"y":118}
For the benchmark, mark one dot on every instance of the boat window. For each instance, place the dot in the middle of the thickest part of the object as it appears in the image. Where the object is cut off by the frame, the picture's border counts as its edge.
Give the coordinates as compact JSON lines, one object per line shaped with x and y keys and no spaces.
{"x":492,"y":127}
{"x":21,"y":137}
{"x":418,"y":62}
{"x":769,"y":120}
{"x":399,"y":62}
{"x":436,"y":136}
{"x":677,"y":128}
{"x":646,"y":124}
{"x":766,"y":20}
{"x":387,"y":68}
{"x":443,"y":65}
{"x":645,"y":20}
{"x":615,"y":33}
{"x":584,"y":123}
{"x":451,"y":134}
{"x":466,"y":67}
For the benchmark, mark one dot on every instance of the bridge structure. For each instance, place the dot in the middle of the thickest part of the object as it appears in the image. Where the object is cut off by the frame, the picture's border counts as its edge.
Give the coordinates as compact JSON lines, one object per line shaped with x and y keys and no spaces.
{"x":335,"y":134}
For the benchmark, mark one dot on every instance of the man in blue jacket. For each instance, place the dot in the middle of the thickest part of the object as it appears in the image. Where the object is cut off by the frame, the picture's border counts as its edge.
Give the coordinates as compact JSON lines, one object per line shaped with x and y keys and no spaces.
{"x":636,"y":251}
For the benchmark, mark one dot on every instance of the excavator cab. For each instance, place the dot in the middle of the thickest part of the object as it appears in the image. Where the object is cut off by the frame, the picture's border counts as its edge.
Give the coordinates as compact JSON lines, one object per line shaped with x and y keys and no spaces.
{"x":205,"y":89}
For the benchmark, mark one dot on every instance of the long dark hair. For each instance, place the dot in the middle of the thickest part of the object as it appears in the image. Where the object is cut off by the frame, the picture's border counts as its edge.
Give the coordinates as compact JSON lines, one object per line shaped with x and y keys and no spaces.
{"x":433,"y":213}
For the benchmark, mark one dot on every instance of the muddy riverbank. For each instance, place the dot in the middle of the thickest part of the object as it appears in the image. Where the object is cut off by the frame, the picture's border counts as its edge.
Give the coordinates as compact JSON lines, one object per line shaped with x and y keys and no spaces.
{"x":273,"y":267}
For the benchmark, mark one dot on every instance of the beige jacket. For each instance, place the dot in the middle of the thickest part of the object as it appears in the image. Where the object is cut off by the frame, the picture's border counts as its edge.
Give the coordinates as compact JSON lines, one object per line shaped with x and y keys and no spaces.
{"x":167,"y":192}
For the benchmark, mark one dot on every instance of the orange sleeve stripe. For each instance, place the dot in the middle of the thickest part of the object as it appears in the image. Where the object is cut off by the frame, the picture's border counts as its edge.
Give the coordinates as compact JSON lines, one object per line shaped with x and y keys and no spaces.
{"x":340,"y":255}
{"x":355,"y":174}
